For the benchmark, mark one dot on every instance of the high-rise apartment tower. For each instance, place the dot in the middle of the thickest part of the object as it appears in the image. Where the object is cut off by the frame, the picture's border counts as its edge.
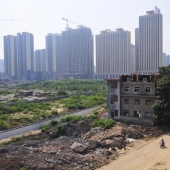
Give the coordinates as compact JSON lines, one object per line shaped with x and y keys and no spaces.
{"x":77,"y":53}
{"x":149,"y":39}
{"x":113,"y":53}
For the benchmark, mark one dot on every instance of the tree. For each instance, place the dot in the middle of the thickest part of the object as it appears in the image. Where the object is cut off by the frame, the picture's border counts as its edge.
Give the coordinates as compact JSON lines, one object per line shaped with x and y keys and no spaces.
{"x":161,"y":104}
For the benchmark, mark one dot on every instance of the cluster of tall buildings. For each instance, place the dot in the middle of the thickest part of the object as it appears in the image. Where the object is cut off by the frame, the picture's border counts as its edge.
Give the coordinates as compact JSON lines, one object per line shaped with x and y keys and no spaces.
{"x":67,"y":55}
{"x":70,"y":54}
{"x":116,"y":56}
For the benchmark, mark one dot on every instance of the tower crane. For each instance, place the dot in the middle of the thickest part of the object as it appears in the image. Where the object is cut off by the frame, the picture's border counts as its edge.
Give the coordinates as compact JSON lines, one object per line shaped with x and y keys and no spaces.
{"x":69,"y":21}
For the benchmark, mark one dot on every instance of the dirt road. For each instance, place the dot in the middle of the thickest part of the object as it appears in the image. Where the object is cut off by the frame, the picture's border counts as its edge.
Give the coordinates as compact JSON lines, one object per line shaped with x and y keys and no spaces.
{"x":146,"y":155}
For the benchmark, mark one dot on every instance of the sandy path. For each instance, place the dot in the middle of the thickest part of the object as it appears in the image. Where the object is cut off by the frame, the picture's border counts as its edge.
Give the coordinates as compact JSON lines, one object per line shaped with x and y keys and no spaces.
{"x":146,"y":155}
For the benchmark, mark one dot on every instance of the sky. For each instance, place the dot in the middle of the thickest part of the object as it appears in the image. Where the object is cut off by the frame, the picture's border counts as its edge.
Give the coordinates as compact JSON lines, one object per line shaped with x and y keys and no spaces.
{"x":41,"y":17}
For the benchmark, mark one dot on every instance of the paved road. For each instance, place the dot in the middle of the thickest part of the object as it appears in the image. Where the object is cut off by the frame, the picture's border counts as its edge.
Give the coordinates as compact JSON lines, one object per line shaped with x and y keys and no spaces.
{"x":36,"y":126}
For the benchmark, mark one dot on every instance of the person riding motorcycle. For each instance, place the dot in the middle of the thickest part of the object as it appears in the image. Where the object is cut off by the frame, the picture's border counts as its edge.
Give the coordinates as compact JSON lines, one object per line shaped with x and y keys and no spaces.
{"x":162,"y":143}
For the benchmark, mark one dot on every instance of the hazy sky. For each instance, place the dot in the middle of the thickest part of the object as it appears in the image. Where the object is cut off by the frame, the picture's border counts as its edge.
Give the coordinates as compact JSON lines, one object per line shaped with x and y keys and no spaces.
{"x":45,"y":16}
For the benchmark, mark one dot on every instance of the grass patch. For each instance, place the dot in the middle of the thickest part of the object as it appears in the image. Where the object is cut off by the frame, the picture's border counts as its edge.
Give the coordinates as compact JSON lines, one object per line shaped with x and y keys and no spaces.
{"x":72,"y":118}
{"x":103,"y":123}
{"x":4,"y":143}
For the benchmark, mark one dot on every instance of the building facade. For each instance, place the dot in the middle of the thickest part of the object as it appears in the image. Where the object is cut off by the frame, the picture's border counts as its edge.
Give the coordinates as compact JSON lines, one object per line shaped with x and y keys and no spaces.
{"x":39,"y":60}
{"x":137,"y":50}
{"x":77,"y":53}
{"x":113,"y":53}
{"x":53,"y":54}
{"x":1,"y":66}
{"x":10,"y":57}
{"x":165,"y":59}
{"x":150,"y":42}
{"x":19,"y":56}
{"x":132,"y":60}
{"x":25,"y":55}
{"x":131,"y":97}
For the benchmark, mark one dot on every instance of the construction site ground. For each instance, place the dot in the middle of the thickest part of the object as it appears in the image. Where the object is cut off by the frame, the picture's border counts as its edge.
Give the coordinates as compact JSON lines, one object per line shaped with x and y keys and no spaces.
{"x":145,"y":155}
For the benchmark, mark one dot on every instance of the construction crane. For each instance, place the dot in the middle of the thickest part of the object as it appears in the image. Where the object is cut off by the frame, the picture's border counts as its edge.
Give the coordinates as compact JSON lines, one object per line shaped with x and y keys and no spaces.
{"x":69,"y":21}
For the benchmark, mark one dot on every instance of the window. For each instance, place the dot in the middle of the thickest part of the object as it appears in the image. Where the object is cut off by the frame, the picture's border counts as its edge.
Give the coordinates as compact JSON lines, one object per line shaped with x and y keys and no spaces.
{"x":116,"y":112}
{"x":114,"y":85}
{"x":148,"y":89}
{"x":136,"y":113}
{"x":126,"y":101}
{"x":137,"y":89}
{"x":137,"y":102}
{"x":126,"y":113}
{"x":113,"y":99}
{"x":112,"y":114}
{"x":148,"y":102}
{"x":128,"y":79}
{"x":148,"y":114}
{"x":126,"y":89}
{"x":144,"y":79}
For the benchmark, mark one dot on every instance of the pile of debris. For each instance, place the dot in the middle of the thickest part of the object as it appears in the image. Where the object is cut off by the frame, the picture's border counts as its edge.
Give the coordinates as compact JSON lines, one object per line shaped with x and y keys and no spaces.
{"x":81,"y":148}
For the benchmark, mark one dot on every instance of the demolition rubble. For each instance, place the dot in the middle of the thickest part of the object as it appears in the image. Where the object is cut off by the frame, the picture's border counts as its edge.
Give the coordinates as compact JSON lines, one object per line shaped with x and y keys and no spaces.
{"x":80,"y":148}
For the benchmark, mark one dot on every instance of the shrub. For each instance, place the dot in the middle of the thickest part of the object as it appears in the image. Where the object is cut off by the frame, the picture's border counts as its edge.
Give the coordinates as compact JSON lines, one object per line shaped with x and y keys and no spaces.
{"x":95,"y":112}
{"x":4,"y":143}
{"x":4,"y":117}
{"x":71,"y":118}
{"x":59,"y":130}
{"x":4,"y":125}
{"x":53,"y":122}
{"x":45,"y":127}
{"x":54,"y":112}
{"x":16,"y":139}
{"x":103,"y":123}
{"x":5,"y":92}
{"x":93,"y":116}
{"x":71,"y":106}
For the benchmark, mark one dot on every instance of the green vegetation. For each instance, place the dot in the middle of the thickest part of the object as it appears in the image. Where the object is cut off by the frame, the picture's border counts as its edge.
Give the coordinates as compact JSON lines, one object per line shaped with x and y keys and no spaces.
{"x":82,"y":102}
{"x":103,"y":123}
{"x":72,"y":118}
{"x":45,"y":127}
{"x":4,"y":143}
{"x":59,"y":130}
{"x":4,"y":92}
{"x":4,"y":125}
{"x":161,"y":104}
{"x":63,"y":86}
{"x":23,"y":113}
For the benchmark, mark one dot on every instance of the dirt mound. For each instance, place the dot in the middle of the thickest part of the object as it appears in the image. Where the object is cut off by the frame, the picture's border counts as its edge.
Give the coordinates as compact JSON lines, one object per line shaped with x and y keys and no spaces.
{"x":71,"y":130}
{"x":83,"y":126}
{"x":11,"y":163}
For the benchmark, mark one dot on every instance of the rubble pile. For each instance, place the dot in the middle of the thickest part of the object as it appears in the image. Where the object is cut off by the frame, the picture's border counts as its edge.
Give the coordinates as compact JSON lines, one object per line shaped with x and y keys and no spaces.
{"x":82,"y":148}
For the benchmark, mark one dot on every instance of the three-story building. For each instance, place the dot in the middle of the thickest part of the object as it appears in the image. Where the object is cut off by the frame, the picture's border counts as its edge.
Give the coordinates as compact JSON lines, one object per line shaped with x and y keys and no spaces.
{"x":131,"y":97}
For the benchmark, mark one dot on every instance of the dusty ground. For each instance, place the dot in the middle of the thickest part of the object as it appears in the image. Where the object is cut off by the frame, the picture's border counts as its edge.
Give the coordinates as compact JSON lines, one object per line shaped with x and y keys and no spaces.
{"x":146,"y":155}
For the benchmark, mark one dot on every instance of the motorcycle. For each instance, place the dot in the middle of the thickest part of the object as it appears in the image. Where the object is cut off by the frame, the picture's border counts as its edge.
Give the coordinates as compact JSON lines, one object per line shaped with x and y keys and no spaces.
{"x":162,"y":144}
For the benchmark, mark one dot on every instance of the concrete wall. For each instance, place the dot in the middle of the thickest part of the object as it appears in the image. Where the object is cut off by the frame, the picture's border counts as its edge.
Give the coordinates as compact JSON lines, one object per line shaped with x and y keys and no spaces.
{"x":147,"y":122}
{"x":141,"y":85}
{"x":116,"y":104}
{"x":142,"y":107}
